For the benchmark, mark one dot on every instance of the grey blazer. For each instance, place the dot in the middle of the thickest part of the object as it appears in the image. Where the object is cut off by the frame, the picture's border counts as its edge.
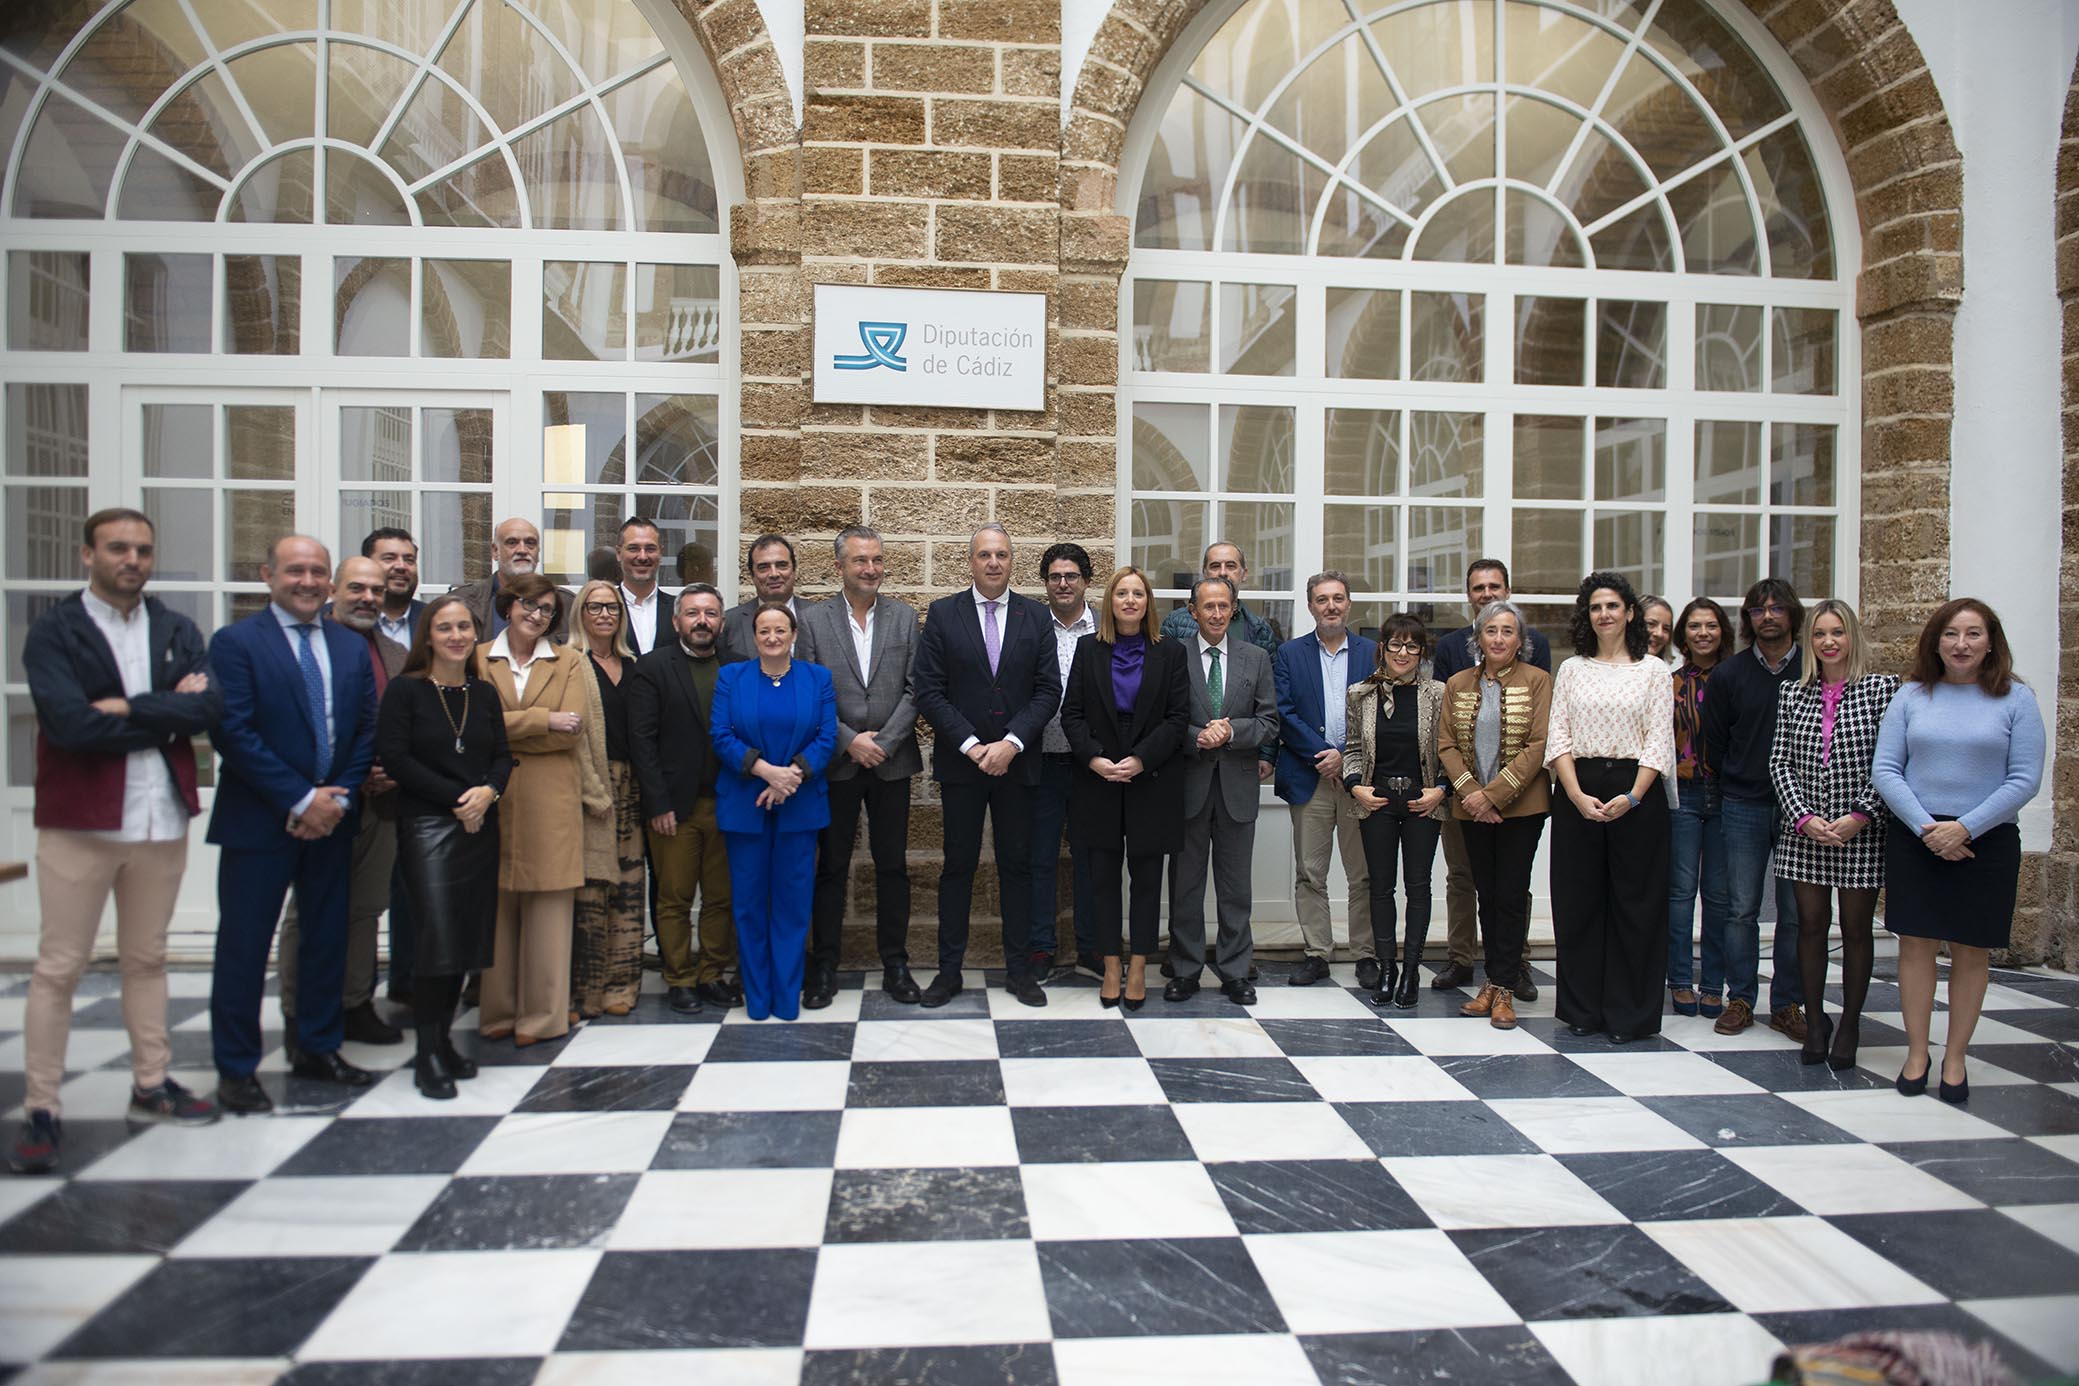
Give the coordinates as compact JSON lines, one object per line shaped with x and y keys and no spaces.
{"x":1252,"y":708}
{"x":880,"y":704}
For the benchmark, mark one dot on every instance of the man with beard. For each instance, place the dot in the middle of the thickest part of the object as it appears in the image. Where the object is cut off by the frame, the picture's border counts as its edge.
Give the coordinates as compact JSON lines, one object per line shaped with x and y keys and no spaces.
{"x":397,"y":553}
{"x":771,"y":566}
{"x":516,"y":549}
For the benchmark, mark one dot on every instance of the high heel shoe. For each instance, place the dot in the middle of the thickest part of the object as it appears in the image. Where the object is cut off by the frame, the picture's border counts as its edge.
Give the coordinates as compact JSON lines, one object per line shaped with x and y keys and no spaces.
{"x":1955,"y":1094}
{"x":1913,"y":1087}
{"x":1136,"y":976}
{"x":1111,"y":979}
{"x":1840,"y":1055}
{"x":1819,"y":1029}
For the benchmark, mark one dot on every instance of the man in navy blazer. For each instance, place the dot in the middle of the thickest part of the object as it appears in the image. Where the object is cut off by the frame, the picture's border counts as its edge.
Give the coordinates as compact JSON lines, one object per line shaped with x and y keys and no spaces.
{"x":986,"y":681}
{"x":294,"y":740}
{"x":1313,"y":673}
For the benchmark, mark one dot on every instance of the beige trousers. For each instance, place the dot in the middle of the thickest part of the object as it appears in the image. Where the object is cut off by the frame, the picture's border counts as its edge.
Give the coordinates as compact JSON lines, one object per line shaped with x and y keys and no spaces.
{"x":75,"y":874}
{"x":368,"y":895}
{"x":1329,"y":820}
{"x":527,"y":989}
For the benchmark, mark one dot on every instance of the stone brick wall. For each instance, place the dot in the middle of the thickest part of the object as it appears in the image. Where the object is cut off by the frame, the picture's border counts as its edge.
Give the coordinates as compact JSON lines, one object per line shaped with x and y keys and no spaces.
{"x":2059,"y":937}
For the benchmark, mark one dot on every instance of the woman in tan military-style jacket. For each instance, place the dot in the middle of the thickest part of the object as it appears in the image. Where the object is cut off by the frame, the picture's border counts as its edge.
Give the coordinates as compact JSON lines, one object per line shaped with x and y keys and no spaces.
{"x":1491,"y":743}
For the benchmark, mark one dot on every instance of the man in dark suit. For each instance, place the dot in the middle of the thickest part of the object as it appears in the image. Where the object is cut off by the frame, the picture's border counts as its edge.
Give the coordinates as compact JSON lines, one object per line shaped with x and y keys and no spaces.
{"x":397,"y":554}
{"x":295,"y":741}
{"x":867,"y":642}
{"x":669,"y":695}
{"x":986,"y":681}
{"x":771,"y":566}
{"x":649,"y":606}
{"x":1234,"y":711}
{"x":516,"y":549}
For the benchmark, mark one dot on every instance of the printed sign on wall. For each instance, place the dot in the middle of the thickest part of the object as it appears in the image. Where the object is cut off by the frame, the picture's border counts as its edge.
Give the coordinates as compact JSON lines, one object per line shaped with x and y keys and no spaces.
{"x":975,"y":349}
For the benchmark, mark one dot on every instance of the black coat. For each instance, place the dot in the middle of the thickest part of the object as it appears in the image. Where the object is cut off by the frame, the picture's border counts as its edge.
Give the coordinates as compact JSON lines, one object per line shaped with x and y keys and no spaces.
{"x":959,"y":697}
{"x":668,"y":732}
{"x":1145,"y":815}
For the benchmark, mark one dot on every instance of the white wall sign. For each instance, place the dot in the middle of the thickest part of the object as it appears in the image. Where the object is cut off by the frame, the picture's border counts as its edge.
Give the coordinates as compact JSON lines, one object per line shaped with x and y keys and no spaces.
{"x":972,"y":348}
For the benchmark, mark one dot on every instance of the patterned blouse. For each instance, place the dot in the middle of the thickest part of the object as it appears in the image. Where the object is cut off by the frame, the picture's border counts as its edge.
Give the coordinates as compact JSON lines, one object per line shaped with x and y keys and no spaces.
{"x":1613,"y":711}
{"x":1689,"y":722}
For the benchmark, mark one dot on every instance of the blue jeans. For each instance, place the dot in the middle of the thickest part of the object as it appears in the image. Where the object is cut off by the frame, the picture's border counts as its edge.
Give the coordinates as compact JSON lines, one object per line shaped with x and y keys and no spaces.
{"x":1049,"y":816}
{"x":1696,"y":865}
{"x":1749,"y":826}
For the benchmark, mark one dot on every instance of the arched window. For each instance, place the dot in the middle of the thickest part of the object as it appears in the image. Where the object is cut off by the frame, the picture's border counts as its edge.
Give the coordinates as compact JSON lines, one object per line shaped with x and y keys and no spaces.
{"x":1562,"y":280}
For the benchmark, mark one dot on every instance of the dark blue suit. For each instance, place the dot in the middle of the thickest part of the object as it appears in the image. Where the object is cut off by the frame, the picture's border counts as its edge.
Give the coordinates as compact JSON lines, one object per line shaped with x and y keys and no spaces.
{"x":267,"y":748}
{"x":772,"y":852}
{"x":1302,"y":717}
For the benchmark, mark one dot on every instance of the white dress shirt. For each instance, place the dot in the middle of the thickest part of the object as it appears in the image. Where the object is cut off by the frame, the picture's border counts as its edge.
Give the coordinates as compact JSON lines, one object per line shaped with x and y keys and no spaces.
{"x":642,"y":617}
{"x":289,"y":625}
{"x":1002,"y":602}
{"x":152,"y":807}
{"x":1055,"y":741}
{"x":862,"y":636}
{"x":502,"y":650}
{"x":1205,"y":666}
{"x":398,"y":630}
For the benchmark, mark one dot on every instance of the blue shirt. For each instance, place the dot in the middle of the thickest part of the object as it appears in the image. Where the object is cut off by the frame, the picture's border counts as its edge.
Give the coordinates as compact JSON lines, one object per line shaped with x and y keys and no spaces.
{"x":1957,"y":751}
{"x":1335,"y":688}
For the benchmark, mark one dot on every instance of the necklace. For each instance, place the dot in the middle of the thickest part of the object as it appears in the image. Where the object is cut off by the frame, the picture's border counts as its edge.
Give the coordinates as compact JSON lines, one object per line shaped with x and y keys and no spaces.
{"x":453,"y":725}
{"x":780,"y":675}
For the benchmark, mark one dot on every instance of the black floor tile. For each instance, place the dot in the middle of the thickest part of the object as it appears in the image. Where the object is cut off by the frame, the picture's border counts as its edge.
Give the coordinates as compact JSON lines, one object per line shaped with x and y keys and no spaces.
{"x":1232,"y":1080}
{"x":926,"y":1205}
{"x":1150,"y":1286}
{"x":1081,"y":1135}
{"x":625,"y":1088}
{"x":2045,"y":1063}
{"x":1064,"y":1039}
{"x":749,"y":1140}
{"x":779,"y":1043}
{"x":971,"y":1004}
{"x":84,"y":1142}
{"x":1358,"y":1038}
{"x":693,"y":1299}
{"x":1784,"y":1070}
{"x":1512,"y":1355}
{"x":2061,"y":1024}
{"x":457,"y":1371}
{"x":2062,"y":990}
{"x":116,"y":1216}
{"x":1727,"y":1120}
{"x":505,"y":1054}
{"x":220,"y":1307}
{"x":933,"y":1083}
{"x":1496,"y":1077}
{"x":1556,"y":1036}
{"x":1996,"y":1172}
{"x":1434,"y":1128}
{"x":521,"y":1212}
{"x":2013,"y":1260}
{"x":2026,"y":1109}
{"x":1585,"y":1273}
{"x":1314,"y":1196}
{"x":390,"y":1145}
{"x":1009,"y":1364}
{"x":1671,"y":1185}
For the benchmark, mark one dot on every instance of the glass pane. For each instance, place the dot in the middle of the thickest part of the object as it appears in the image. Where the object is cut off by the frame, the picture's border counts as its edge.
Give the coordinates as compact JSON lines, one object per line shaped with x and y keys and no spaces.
{"x":1631,"y":345}
{"x":1801,"y":548}
{"x":177,"y":443}
{"x":361,"y":512}
{"x":1258,"y":328}
{"x":692,"y":528}
{"x":1728,"y":466}
{"x":584,"y":312}
{"x":375,"y":443}
{"x":371,"y":306}
{"x":1187,"y":168}
{"x":1363,"y":541}
{"x":229,"y":25}
{"x":666,"y":153}
{"x":1442,"y":540}
{"x":1638,"y":241}
{"x":436,"y":128}
{"x":1363,"y":452}
{"x":1340,"y":95}
{"x":46,"y":430}
{"x":359,"y":193}
{"x":1172,"y":325}
{"x":43,"y":531}
{"x":362,"y":87}
{"x":466,"y":306}
{"x":480,"y":194}
{"x":1549,"y":449}
{"x":456,"y":445}
{"x":1804,"y":351}
{"x":454,"y":537}
{"x":1658,"y":119}
{"x":1717,"y":226}
{"x":1463,"y":129}
{"x":1444,"y":453}
{"x":260,"y":442}
{"x":677,"y":440}
{"x":279,"y":190}
{"x":1727,"y":557}
{"x":678,"y":313}
{"x":1446,"y":336}
{"x":1633,"y":542}
{"x":1601,"y":179}
{"x":68,"y":163}
{"x":25,"y":609}
{"x":1551,"y":341}
{"x":1168,"y":537}
{"x":1462,"y":231}
{"x":1271,"y":211}
{"x":1396,"y":167}
{"x":98,"y":70}
{"x":158,"y":189}
{"x":244,"y":604}
{"x":1540,"y":134}
{"x":1263,"y":531}
{"x":1727,"y":76}
{"x":583,"y":438}
{"x":1256,"y":441}
{"x":253,"y":520}
{"x":166,"y":302}
{"x":1553,"y":621}
{"x":1792,"y":206}
{"x":1631,"y":461}
{"x":184,"y":529}
{"x":1437,"y":46}
{"x":575,"y":524}
{"x":46,"y":300}
{"x":1801,"y":465}
{"x":571,"y":174}
{"x":280,"y":84}
{"x":1728,"y":347}
{"x":1547,"y":555}
{"x":1557,"y":53}
{"x":263,"y":304}
{"x":21,"y":741}
{"x":507,"y":65}
{"x":1172,"y":447}
{"x":1537,"y":233}
{"x":1364,"y":334}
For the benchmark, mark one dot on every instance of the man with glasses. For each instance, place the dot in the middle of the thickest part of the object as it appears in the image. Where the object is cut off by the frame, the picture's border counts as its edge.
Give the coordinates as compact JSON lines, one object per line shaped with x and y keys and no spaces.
{"x":515,"y":549}
{"x":1739,"y":727}
{"x":1065,"y":569}
{"x":641,"y":551}
{"x":771,"y":566}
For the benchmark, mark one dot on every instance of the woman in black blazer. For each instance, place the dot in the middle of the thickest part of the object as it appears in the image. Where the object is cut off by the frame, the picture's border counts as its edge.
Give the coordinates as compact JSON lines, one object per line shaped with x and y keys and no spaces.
{"x":1125,"y":713}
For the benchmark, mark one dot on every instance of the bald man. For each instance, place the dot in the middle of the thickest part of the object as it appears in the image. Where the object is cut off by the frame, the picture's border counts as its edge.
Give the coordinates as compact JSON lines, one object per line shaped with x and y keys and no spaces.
{"x":515,"y":549}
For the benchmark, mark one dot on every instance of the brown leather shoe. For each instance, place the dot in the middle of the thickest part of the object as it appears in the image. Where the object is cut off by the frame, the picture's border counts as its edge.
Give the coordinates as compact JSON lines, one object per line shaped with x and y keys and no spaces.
{"x":1483,"y":1003}
{"x":1738,"y":1016}
{"x":1789,"y":1020}
{"x":1502,"y":1015}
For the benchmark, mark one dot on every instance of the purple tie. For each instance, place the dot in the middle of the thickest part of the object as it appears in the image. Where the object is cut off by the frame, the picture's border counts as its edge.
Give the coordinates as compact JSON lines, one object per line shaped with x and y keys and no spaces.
{"x":991,"y":638}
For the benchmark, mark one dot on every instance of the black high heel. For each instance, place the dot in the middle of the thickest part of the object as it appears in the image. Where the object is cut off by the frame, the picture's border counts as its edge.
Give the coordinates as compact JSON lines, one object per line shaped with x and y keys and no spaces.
{"x":1840,"y":1055}
{"x":1110,"y":1003}
{"x":1819,"y":1029}
{"x":1913,"y":1087}
{"x":1134,"y":1003}
{"x":1955,"y":1094}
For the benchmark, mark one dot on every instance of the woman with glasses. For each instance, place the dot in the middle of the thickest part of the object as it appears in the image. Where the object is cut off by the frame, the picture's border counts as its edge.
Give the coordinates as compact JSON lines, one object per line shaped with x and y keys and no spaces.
{"x":1491,"y":746}
{"x":1390,"y":766}
{"x":1959,"y":754}
{"x":526,"y":992}
{"x":606,"y":962}
{"x":1696,"y":845}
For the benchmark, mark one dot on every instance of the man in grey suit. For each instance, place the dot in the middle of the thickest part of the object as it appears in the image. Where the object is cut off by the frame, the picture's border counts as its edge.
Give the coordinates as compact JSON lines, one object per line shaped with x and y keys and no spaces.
{"x":771,"y":566}
{"x":866,"y":641}
{"x":1234,"y":711}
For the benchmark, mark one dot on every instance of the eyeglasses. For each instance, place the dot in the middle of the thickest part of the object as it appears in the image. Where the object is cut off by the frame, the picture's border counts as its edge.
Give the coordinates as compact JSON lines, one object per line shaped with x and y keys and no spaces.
{"x":540,"y":610}
{"x":1772,"y":609}
{"x":601,"y":608}
{"x":1402,"y":647}
{"x":1064,"y":577}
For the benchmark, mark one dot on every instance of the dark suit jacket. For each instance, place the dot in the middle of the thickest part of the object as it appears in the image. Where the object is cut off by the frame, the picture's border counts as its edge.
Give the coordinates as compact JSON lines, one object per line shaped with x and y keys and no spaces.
{"x":481,"y":599}
{"x":264,"y":737}
{"x":1146,"y":814}
{"x":1302,"y":717}
{"x":1251,"y":702}
{"x":393,"y":656}
{"x":666,"y":603}
{"x":960,"y":698}
{"x":668,"y":732}
{"x":883,"y":704}
{"x":739,"y":744}
{"x":81,"y":753}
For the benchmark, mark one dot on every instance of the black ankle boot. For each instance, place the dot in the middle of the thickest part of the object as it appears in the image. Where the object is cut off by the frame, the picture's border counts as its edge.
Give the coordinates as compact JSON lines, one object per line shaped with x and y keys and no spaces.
{"x":460,"y":1065}
{"x":429,"y":1067}
{"x":1405,"y":994}
{"x":1389,"y":979}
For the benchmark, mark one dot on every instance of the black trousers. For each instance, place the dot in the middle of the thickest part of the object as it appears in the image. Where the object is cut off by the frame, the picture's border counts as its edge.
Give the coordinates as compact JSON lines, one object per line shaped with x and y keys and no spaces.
{"x":887,"y":805}
{"x":1144,"y":906}
{"x":1610,"y":904}
{"x":1414,"y":841}
{"x":1007,"y":802}
{"x":1500,"y":855}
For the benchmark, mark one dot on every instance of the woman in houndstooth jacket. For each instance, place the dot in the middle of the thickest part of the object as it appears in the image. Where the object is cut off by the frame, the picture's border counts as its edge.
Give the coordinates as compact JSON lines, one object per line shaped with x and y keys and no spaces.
{"x":1826,"y":740}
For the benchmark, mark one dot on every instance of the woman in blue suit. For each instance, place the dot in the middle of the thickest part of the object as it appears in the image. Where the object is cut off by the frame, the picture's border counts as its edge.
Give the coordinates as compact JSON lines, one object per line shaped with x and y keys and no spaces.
{"x":774,"y":726}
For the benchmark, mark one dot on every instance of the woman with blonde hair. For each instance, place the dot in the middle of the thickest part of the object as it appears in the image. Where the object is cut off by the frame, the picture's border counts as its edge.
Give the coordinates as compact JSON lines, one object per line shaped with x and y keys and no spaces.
{"x":606,"y":951}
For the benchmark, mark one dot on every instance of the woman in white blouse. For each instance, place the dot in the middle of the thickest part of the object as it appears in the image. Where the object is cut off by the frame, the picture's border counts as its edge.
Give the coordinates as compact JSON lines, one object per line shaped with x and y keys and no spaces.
{"x":1612,"y":735}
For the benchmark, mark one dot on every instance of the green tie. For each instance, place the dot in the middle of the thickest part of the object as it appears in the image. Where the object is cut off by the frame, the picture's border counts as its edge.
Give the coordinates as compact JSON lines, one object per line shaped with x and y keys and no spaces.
{"x":1216,"y":687}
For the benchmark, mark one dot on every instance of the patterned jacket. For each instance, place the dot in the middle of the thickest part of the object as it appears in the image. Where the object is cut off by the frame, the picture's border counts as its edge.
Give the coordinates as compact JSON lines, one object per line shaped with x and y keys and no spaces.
{"x":1361,"y":730}
{"x":1841,"y":785}
{"x":1521,"y":785}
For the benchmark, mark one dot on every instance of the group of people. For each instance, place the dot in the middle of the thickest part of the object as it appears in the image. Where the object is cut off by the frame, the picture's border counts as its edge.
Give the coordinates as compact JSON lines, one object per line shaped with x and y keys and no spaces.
{"x":504,"y":767}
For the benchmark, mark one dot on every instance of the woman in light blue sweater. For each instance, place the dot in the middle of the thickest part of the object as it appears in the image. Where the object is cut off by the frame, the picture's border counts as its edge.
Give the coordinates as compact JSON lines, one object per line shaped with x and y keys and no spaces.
{"x":1960,"y":752}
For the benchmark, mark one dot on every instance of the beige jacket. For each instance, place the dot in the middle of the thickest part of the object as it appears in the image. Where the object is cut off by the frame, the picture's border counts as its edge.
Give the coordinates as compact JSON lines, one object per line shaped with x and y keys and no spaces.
{"x":1520,"y":786}
{"x":540,"y":834}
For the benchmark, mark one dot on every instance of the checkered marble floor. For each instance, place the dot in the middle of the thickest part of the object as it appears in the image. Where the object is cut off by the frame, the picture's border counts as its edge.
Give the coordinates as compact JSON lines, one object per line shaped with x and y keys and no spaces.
{"x":1311,"y":1190}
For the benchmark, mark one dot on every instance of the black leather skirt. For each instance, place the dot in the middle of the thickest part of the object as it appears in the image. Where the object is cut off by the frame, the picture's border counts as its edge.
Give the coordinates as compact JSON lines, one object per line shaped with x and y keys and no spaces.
{"x":453,"y":879}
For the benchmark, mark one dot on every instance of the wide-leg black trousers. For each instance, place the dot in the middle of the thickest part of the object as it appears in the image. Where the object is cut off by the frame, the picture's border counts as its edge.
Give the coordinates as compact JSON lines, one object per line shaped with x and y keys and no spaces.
{"x":1609,"y":904}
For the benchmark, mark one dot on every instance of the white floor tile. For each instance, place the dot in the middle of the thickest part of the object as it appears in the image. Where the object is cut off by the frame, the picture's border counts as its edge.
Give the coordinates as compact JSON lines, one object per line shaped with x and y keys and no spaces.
{"x":925,"y":1137}
{"x":1583,"y":1125}
{"x":159,"y":1371}
{"x":708,"y":1366}
{"x":230,"y":1149}
{"x":2057,"y":1221}
{"x":19,"y":1193}
{"x":345,"y":1216}
{"x":493,"y":1092}
{"x":1375,"y":1282}
{"x":1122,"y":1201}
{"x":1224,"y":1037}
{"x":14,"y":1008}
{"x":927,"y":1293}
{"x":189,"y":982}
{"x":44,"y":1298}
{"x":1064,"y":1003}
{"x":1466,"y":1035}
{"x":570,"y":1143}
{"x":2002,"y":998}
{"x":1254,"y":1359}
{"x":1468,"y":1191}
{"x":816,"y":1086}
{"x":84,"y":1050}
{"x":1670,"y":1350}
{"x":842,"y":1010}
{"x":1886,"y":1061}
{"x":2067,"y":1146}
{"x":1276,"y":1001}
{"x":1380,"y":1078}
{"x":1988,"y":1030}
{"x":603,"y":1046}
{"x":1781,"y":1265}
{"x":883,"y":1041}
{"x":1836,"y":1180}
{"x":1080,"y":1083}
{"x":1269,"y":1131}
{"x":455,"y":1304}
{"x":2044,"y":1324}
{"x":698,"y":1209}
{"x":1882,"y":1116}
{"x":1665,"y":1074}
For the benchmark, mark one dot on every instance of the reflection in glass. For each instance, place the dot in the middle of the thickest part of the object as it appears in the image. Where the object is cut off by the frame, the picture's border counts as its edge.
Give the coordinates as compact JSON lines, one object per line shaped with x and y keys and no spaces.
{"x":1167,"y":539}
{"x":1271,"y":210}
{"x":436,"y":128}
{"x":1601,"y":179}
{"x":588,"y":444}
{"x":1256,"y":444}
{"x":1442,"y":540}
{"x":1186,"y":170}
{"x":67,"y":164}
{"x":358,"y":192}
{"x":280,"y":87}
{"x":204,"y":122}
{"x":1446,"y":336}
{"x":1792,"y":206}
{"x":506,"y":64}
{"x":1631,"y":345}
{"x":456,"y":445}
{"x":466,"y":306}
{"x":1364,"y":334}
{"x":1727,"y":557}
{"x":1728,"y":347}
{"x":184,"y":529}
{"x":1728,"y":465}
{"x":361,"y":512}
{"x":46,"y":430}
{"x":1801,"y":465}
{"x":678,"y":313}
{"x":1728,"y":76}
{"x":1631,"y":460}
{"x":1172,"y":325}
{"x":1444,"y":457}
{"x":1717,"y":227}
{"x":157,"y":189}
{"x":1462,"y":230}
{"x":1558,"y":53}
{"x":1632,"y":542}
{"x":253,"y":520}
{"x":371,"y":303}
{"x":1263,"y":531}
{"x":666,"y":154}
{"x":1258,"y":328}
{"x":1339,"y":96}
{"x":21,"y":741}
{"x":1436,"y":46}
{"x":571,"y":174}
{"x":454,"y":536}
{"x":1547,"y":550}
{"x":677,"y":440}
{"x":1659,"y":120}
{"x":166,"y":302}
{"x":46,"y":300}
{"x":1549,"y":449}
{"x":128,"y":89}
{"x":263,"y":304}
{"x":1801,"y":548}
{"x":1362,"y":541}
{"x":176,"y":441}
{"x":1537,"y":233}
{"x":375,"y":443}
{"x":584,"y":314}
{"x":478,"y":194}
{"x":1551,"y":340}
{"x":362,"y":86}
{"x":1804,"y":351}
{"x":1638,"y":241}
{"x":260,"y":443}
{"x":691,"y":528}
{"x":1394,"y":165}
{"x":1172,"y":447}
{"x":43,"y":529}
{"x":1362,"y":456}
{"x":279,"y":190}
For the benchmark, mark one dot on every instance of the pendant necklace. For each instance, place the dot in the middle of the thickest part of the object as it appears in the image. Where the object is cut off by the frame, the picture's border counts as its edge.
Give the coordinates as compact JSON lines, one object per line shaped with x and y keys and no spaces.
{"x":453,"y":725}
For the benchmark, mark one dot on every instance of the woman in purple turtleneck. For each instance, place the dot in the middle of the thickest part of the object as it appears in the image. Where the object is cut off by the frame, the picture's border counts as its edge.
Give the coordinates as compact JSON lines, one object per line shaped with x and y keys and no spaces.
{"x":1125,"y":712}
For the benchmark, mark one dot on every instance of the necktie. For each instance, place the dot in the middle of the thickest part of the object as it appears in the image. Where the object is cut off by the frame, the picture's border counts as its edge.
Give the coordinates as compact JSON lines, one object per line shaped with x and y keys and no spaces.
{"x":314,"y":690}
{"x":1216,"y":686}
{"x":992,"y":639}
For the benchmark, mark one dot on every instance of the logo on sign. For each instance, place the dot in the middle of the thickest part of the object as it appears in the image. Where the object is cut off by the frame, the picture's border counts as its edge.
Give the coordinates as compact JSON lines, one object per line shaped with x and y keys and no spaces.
{"x":883,"y":343}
